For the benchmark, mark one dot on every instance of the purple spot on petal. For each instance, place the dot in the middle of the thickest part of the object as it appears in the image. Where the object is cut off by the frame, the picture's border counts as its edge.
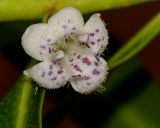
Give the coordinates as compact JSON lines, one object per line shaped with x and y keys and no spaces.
{"x":93,"y":43}
{"x":97,"y":30}
{"x":91,"y":34}
{"x":77,"y":68}
{"x":50,"y":73}
{"x":60,"y":71}
{"x":42,"y":46}
{"x":74,"y":28}
{"x":86,"y":77}
{"x":79,"y":56}
{"x":49,"y":50}
{"x":95,"y":72}
{"x":97,"y":57}
{"x":51,"y":67}
{"x":54,"y":78}
{"x":86,"y":61}
{"x":88,"y":84}
{"x":98,"y":40}
{"x":48,"y":40}
{"x":43,"y":74}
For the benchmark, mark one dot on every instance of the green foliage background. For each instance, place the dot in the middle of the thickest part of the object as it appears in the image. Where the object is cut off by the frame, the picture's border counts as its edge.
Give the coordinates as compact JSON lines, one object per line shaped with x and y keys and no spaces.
{"x":21,"y":108}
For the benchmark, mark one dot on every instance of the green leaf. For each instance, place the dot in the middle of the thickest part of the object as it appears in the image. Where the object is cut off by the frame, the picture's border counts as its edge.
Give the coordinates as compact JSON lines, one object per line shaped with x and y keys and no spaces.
{"x":137,"y":43}
{"x":121,"y":73}
{"x":141,"y":112}
{"x":22,"y":107}
{"x":32,"y":9}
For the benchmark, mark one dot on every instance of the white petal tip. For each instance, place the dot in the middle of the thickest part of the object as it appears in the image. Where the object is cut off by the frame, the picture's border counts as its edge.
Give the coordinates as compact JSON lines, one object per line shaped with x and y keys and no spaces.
{"x":98,"y":14}
{"x":25,"y":73}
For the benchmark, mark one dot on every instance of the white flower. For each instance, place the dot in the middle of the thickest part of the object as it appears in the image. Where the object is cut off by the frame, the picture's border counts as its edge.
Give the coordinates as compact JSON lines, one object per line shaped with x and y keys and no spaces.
{"x":69,"y":50}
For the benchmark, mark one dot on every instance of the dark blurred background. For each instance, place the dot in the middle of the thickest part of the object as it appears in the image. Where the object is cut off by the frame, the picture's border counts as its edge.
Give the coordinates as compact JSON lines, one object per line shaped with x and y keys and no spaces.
{"x":64,"y":108}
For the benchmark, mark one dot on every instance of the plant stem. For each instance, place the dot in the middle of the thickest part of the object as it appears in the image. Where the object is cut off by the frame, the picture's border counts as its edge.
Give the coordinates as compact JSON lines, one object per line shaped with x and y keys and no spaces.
{"x":137,"y":43}
{"x":31,"y":9}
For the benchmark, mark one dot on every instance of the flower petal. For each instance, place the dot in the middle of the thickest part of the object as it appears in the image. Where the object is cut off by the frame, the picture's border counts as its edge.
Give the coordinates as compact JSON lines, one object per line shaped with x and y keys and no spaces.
{"x":67,"y":21}
{"x":95,"y":34}
{"x":88,"y":72}
{"x":38,"y":41}
{"x":49,"y":75}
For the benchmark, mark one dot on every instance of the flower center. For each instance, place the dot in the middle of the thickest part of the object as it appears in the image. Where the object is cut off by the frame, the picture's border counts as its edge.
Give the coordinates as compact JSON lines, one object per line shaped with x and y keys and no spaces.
{"x":61,"y":48}
{"x":69,"y":46}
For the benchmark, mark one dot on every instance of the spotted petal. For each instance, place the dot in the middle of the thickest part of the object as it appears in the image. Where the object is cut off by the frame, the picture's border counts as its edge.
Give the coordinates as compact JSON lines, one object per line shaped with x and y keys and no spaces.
{"x":49,"y":75}
{"x":95,"y":34}
{"x":38,"y":41}
{"x":68,"y":21}
{"x":88,"y":72}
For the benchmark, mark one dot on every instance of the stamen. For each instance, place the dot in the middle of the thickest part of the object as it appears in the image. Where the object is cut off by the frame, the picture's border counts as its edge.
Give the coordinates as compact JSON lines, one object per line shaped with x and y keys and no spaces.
{"x":58,"y":56}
